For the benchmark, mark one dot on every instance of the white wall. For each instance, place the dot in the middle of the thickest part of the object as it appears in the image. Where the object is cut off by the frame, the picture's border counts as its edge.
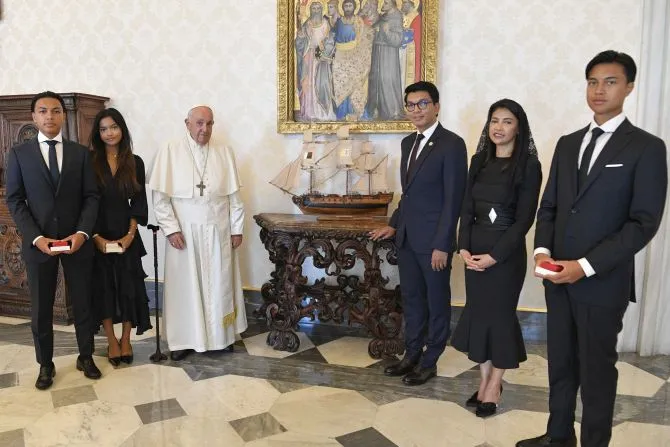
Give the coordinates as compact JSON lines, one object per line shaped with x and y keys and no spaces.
{"x":155,"y":58}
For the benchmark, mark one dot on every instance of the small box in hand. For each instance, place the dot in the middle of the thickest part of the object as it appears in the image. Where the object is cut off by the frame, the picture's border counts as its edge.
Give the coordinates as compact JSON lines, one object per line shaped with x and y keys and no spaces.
{"x":547,"y":268}
{"x":57,"y":246}
{"x":113,"y":247}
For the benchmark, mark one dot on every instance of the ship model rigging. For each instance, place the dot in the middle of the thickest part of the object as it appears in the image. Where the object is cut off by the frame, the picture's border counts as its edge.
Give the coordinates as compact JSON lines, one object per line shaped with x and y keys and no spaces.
{"x":324,"y":165}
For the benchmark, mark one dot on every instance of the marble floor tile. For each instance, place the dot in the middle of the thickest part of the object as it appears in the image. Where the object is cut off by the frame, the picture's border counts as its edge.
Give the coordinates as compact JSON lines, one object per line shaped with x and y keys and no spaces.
{"x":636,"y":434}
{"x":13,"y":320}
{"x":369,"y":437}
{"x":159,"y":411}
{"x":185,"y":432}
{"x":13,"y":438}
{"x":257,"y":345}
{"x":20,"y":406}
{"x":512,"y":426}
{"x":72,"y":396}
{"x":8,"y":380}
{"x":324,"y":411}
{"x":348,"y":351}
{"x":309,"y":355}
{"x":287,"y":387}
{"x":532,"y":372}
{"x":88,"y":424}
{"x":143,"y":384}
{"x":228,"y":397}
{"x":295,"y":439}
{"x":453,"y":363}
{"x":14,"y":358}
{"x":428,"y":423}
{"x":67,"y":375}
{"x":634,"y":381}
{"x":384,"y":397}
{"x":257,"y":426}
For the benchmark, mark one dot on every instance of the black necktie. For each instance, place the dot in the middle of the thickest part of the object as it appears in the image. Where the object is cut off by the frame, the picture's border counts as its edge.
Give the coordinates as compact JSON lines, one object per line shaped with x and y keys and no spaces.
{"x":415,"y":150}
{"x":588,"y":153}
{"x":53,"y":161}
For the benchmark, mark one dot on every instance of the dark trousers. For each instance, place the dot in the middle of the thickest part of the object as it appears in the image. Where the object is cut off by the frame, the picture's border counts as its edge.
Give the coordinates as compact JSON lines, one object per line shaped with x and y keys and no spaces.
{"x":42,"y":279}
{"x":426,"y":302}
{"x":581,"y":344}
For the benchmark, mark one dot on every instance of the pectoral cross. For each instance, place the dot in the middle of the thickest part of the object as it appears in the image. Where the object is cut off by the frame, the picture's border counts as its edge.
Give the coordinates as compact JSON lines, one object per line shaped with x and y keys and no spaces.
{"x":200,"y":186}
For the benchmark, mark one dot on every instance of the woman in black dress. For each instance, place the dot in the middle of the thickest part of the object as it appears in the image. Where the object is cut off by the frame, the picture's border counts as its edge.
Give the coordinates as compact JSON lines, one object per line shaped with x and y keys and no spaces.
{"x":119,"y":295}
{"x":498,"y":210}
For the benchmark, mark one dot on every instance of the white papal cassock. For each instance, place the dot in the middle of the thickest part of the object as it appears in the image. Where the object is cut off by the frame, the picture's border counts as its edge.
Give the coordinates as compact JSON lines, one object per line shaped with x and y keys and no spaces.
{"x":203,"y":301}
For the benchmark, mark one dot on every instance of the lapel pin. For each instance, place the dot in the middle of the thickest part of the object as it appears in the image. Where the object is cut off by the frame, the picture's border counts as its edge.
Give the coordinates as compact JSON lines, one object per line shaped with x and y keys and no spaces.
{"x":430,"y":144}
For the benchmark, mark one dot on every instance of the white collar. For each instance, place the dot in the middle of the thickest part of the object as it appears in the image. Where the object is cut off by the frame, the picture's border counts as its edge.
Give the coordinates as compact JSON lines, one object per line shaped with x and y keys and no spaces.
{"x":42,"y":138}
{"x":429,"y":132}
{"x":193,"y":143}
{"x":610,"y":125}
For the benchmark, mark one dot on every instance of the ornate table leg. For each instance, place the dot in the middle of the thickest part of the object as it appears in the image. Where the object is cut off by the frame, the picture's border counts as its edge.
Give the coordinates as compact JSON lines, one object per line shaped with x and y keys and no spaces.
{"x":379,"y":309}
{"x":279,"y":304}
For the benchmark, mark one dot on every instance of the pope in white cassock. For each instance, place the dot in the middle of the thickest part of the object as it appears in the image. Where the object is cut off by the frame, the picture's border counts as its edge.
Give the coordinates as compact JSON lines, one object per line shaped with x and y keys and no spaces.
{"x":197,"y":204}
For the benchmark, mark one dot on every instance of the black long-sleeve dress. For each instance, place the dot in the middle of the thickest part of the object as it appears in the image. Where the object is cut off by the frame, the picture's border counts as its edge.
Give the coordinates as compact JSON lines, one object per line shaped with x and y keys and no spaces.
{"x":489,"y":328}
{"x":118,"y":279}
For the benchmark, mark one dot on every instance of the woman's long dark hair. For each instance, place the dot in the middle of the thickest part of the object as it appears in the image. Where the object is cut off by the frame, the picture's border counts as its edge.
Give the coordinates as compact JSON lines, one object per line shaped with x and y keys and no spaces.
{"x":522,"y":141}
{"x":125,"y":172}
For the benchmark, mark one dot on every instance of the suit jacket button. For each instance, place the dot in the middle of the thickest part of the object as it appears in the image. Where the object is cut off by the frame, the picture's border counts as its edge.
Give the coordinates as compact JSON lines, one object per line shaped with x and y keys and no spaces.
{"x":573,"y":211}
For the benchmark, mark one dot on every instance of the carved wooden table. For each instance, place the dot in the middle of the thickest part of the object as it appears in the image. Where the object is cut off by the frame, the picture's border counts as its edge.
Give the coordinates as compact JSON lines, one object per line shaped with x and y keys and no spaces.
{"x":333,"y":246}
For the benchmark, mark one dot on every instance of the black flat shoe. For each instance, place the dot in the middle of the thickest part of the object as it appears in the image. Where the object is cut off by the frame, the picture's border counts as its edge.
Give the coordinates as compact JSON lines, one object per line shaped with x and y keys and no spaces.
{"x":473,"y":401}
{"x":45,"y":377}
{"x":547,"y":441}
{"x":486,"y":409}
{"x":87,"y":366}
{"x":180,"y":355}
{"x":419,"y":376}
{"x":400,"y":368}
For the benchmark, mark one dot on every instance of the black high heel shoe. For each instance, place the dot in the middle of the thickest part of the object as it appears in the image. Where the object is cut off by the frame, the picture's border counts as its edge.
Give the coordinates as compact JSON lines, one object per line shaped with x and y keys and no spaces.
{"x":115,"y":361}
{"x":473,"y":401}
{"x":486,"y":409}
{"x":128,"y":359}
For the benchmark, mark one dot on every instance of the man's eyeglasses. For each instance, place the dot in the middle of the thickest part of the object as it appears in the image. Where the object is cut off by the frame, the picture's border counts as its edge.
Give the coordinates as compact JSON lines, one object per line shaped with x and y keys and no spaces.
{"x":421,"y":105}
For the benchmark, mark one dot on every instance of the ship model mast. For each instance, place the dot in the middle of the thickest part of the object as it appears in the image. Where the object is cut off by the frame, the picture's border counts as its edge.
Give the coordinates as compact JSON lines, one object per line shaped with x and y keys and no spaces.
{"x":324,"y":161}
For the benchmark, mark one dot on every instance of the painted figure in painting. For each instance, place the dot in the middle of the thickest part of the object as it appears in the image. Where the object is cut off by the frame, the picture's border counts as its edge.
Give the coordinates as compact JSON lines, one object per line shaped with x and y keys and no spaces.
{"x":313,"y":57}
{"x":369,"y":12}
{"x":351,"y":64}
{"x":385,"y":100}
{"x":410,"y":59}
{"x":332,"y":15}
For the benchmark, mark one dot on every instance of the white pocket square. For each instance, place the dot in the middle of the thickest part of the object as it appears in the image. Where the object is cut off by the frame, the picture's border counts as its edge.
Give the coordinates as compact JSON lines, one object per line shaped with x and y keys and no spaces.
{"x":615,"y":165}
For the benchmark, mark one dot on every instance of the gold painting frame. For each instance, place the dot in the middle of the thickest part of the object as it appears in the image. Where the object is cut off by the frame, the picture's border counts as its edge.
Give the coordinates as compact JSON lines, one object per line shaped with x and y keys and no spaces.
{"x":286,"y":72}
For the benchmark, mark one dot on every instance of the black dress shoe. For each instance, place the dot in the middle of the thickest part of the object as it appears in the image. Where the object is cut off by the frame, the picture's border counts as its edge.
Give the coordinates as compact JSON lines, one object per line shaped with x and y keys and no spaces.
{"x":180,"y":355}
{"x":486,"y":409}
{"x":228,"y":349}
{"x":473,"y":401}
{"x":401,"y":368}
{"x":547,"y":441}
{"x":420,"y":376}
{"x":87,"y":365}
{"x":45,"y":377}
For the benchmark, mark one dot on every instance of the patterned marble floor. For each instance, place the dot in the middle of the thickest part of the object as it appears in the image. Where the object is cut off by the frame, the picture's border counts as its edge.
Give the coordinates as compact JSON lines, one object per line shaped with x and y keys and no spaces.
{"x":329,"y":393}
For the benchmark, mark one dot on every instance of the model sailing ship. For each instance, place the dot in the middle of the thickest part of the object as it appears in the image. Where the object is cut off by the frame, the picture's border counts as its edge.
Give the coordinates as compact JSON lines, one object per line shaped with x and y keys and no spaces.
{"x":325,"y":165}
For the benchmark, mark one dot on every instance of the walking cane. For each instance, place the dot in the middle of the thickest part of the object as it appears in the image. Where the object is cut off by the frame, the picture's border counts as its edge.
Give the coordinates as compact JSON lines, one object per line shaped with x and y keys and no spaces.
{"x":157,"y":356}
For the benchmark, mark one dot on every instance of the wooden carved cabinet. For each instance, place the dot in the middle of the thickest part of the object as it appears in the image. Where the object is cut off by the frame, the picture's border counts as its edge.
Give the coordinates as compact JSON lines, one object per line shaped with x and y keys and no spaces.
{"x":16,"y":126}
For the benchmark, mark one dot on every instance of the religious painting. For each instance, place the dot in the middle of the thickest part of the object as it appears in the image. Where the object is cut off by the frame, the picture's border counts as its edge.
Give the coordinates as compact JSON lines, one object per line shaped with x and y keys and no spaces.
{"x":349,"y":61}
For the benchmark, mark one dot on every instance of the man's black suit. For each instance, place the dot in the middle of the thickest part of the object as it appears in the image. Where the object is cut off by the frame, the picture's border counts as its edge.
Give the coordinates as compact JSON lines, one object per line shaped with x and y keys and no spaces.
{"x":425,"y":220}
{"x":41,"y":208}
{"x":611,"y":217}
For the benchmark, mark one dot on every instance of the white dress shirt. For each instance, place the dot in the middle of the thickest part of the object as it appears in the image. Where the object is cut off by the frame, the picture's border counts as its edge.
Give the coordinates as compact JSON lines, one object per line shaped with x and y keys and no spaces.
{"x":44,"y":148}
{"x":608,"y":128}
{"x":426,"y":136}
